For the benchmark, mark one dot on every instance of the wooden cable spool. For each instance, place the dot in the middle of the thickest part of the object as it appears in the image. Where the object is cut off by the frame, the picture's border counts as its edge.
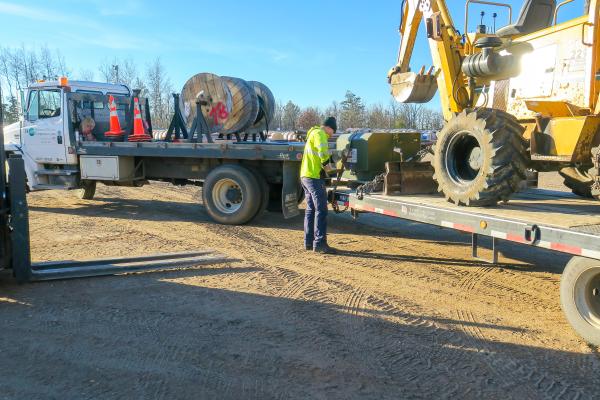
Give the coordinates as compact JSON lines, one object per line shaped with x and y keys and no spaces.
{"x":216,"y":96}
{"x":229,"y":105}
{"x":266,"y":112}
{"x":245,"y":105}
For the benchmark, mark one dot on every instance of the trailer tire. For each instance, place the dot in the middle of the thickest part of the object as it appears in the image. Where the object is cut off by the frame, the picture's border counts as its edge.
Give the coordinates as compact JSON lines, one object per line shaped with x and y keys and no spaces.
{"x":480,"y":157}
{"x":580,"y":297}
{"x":87,"y":190}
{"x":231,"y":195}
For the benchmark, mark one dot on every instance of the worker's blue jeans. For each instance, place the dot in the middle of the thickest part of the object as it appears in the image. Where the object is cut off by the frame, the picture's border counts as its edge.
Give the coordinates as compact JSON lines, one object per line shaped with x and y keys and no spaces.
{"x":315,"y":216}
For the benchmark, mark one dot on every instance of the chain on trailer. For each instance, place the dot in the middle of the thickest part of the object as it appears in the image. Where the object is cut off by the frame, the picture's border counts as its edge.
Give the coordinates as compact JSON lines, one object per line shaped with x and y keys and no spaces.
{"x":375,"y":185}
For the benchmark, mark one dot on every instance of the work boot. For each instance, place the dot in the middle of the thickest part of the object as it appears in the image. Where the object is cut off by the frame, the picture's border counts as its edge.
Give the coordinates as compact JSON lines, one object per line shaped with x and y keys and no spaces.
{"x":325,"y":249}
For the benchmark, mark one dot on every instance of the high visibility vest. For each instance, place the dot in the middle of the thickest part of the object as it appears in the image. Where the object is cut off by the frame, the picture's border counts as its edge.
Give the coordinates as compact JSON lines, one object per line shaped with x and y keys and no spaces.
{"x":315,"y":153}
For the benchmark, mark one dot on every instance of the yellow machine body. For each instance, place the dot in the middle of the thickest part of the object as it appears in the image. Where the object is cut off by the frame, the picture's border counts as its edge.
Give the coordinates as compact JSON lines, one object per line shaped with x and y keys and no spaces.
{"x":552,"y":87}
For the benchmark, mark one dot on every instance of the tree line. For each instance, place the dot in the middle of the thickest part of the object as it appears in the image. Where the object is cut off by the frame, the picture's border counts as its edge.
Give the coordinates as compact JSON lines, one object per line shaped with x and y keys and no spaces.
{"x":19,"y":67}
{"x":352,"y":112}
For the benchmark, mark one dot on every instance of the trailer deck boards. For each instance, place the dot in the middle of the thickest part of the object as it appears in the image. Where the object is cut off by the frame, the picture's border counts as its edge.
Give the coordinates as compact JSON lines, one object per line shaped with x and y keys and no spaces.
{"x":284,"y":151}
{"x":550,"y":219}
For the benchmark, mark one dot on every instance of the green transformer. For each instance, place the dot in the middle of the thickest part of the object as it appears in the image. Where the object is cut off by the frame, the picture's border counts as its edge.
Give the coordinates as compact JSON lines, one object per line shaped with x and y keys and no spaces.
{"x":370,"y":150}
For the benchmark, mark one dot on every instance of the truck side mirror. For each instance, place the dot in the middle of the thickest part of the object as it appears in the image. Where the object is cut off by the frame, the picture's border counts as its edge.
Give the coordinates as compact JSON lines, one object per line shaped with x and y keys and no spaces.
{"x":22,"y":101}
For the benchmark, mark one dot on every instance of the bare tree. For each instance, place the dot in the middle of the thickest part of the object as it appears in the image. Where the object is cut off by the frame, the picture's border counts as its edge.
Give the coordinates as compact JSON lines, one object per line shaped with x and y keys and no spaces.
{"x":48,"y":64}
{"x":378,"y":117}
{"x":119,"y":71}
{"x":159,"y":92}
{"x":334,"y":111}
{"x":308,"y":118}
{"x":278,"y":116}
{"x":410,"y":115}
{"x":86,"y":75}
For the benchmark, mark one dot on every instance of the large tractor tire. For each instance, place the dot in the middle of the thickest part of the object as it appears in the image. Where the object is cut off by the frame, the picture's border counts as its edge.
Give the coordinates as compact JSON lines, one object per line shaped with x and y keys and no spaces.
{"x":578,"y":180}
{"x":593,"y":173}
{"x":232,"y":195}
{"x":480,"y":157}
{"x":581,"y":179}
{"x":580,"y":297}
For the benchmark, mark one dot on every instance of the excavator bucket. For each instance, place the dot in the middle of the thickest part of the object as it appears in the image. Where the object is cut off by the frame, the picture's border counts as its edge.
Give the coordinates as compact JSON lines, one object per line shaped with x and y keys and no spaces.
{"x":410,"y":87}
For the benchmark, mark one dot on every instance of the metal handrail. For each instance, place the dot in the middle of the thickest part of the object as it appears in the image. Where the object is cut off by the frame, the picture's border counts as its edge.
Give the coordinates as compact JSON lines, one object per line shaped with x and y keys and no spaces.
{"x":489,"y":3}
{"x":558,"y":8}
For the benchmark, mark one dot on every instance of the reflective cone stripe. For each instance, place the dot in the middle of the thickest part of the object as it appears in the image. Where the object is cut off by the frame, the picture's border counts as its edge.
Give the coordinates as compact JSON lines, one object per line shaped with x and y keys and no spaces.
{"x":115,"y":125}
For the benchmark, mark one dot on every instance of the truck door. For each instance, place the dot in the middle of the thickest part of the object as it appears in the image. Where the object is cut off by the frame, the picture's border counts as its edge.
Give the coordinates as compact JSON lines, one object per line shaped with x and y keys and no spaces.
{"x":43,"y":137}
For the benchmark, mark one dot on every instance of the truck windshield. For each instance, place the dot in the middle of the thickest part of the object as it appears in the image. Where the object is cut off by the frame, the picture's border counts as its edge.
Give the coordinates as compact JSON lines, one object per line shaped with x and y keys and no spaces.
{"x":43,"y":104}
{"x":49,"y":103}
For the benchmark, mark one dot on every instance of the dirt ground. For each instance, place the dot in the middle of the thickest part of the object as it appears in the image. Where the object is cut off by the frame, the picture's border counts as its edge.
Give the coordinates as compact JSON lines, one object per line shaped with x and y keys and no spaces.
{"x":402,"y":312}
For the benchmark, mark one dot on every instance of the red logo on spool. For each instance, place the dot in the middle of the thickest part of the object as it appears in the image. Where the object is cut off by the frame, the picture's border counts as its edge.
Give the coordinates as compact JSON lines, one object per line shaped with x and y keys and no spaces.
{"x":218,"y":112}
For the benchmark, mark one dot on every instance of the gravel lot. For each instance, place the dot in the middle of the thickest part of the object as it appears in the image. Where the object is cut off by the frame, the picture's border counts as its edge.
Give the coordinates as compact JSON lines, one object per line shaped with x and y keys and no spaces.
{"x":402,"y":312}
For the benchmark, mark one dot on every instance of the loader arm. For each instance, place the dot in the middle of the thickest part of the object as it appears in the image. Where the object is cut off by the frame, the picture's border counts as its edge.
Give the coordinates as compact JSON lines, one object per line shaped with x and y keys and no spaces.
{"x":446,"y":49}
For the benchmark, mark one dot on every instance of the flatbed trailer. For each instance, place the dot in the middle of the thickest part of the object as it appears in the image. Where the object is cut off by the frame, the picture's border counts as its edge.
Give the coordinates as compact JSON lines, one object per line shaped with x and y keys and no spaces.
{"x":552,"y":220}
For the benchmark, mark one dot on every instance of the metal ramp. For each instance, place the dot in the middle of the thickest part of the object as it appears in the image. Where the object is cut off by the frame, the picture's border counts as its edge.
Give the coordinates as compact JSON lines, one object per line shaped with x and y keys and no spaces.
{"x":52,"y":270}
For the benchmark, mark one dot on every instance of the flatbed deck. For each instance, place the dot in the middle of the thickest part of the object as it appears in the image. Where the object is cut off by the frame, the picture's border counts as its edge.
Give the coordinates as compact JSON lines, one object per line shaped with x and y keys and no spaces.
{"x":549,"y":219}
{"x":281,"y":151}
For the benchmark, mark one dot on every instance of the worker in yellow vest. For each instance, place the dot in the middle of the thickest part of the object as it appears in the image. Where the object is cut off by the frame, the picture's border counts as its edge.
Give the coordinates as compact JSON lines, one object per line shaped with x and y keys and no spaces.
{"x":312,"y":174}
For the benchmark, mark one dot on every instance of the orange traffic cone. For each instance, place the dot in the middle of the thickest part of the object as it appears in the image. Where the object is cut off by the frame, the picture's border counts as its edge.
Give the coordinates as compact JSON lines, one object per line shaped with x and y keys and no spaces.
{"x":139,"y":134}
{"x":115,"y":133}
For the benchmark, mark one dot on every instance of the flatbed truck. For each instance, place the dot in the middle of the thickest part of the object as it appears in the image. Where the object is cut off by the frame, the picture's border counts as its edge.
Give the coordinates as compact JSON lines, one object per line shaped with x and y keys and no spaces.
{"x":239,"y":179}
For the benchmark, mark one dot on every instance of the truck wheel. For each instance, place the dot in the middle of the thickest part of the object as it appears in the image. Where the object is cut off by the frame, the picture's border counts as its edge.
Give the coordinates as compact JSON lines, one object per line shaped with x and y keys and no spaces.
{"x":580,"y":297}
{"x":231,"y":195}
{"x":578,"y":180}
{"x":264,"y":190}
{"x":87,"y":190}
{"x":480,"y":157}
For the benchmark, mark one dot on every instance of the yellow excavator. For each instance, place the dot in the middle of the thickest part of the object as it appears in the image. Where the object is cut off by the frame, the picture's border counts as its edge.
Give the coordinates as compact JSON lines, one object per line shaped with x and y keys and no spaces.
{"x":525,"y":96}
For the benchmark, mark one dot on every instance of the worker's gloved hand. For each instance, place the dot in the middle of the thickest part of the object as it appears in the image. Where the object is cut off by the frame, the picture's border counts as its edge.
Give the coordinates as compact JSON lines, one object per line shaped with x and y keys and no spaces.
{"x":330,"y":169}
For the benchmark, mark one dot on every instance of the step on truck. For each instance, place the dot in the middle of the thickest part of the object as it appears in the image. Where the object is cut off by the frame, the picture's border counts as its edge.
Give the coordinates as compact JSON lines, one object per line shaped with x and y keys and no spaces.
{"x":239,"y":179}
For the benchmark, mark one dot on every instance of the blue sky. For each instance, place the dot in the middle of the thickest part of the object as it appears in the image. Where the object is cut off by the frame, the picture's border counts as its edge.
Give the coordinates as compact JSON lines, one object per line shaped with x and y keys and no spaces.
{"x":307,"y":51}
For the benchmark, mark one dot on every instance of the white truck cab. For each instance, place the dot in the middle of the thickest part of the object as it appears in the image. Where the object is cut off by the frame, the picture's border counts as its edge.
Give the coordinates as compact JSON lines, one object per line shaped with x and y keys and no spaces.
{"x":42,"y":136}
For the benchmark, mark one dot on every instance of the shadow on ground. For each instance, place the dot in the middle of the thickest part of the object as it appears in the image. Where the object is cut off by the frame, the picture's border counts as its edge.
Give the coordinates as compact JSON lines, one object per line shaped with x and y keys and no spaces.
{"x":167,"y":335}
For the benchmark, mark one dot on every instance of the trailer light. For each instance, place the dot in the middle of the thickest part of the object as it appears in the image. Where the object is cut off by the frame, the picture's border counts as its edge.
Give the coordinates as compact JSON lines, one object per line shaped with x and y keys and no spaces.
{"x":482,"y":224}
{"x":63,"y":81}
{"x":41,"y":81}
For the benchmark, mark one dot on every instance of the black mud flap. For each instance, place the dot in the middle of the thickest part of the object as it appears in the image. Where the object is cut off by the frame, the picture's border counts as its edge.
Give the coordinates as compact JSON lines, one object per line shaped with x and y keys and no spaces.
{"x":289,"y":192}
{"x":19,"y":220}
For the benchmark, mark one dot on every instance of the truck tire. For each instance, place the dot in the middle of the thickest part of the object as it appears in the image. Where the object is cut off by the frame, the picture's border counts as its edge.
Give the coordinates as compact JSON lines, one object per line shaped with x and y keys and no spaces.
{"x":580,"y":297}
{"x":264,"y":190}
{"x":578,"y":180}
{"x":480,"y":157}
{"x":87,"y":190}
{"x":231,"y":195}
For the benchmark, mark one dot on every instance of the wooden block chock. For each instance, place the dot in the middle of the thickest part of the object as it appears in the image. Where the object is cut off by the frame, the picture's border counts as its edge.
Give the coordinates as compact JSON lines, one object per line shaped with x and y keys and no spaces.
{"x":404,"y":178}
